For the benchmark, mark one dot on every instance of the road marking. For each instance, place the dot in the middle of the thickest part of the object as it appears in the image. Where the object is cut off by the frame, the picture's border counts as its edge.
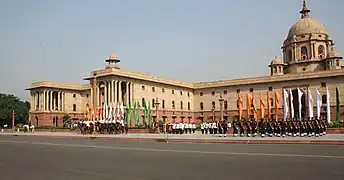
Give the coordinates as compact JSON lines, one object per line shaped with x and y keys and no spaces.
{"x":171,"y":150}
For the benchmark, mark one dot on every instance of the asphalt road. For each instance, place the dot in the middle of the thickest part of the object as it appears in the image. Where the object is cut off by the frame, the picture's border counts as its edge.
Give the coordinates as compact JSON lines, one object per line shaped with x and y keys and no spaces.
{"x":37,"y":158}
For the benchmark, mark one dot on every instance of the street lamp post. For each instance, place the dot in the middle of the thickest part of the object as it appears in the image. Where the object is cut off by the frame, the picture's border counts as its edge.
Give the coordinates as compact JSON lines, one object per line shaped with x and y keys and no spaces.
{"x":156,"y":125}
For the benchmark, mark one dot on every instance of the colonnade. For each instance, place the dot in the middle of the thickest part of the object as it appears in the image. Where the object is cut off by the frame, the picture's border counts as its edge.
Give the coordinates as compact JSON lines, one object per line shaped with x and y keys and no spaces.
{"x":113,"y":91}
{"x":47,"y":101}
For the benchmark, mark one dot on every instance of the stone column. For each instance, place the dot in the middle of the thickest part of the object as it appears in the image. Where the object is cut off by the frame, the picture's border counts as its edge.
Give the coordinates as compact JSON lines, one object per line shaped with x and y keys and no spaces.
{"x":105,"y":92}
{"x":120,"y":96}
{"x":61,"y":101}
{"x":64,"y":101}
{"x":58,"y":101}
{"x":113,"y":91}
{"x":116,"y":92}
{"x":97,"y":98}
{"x":294,"y":53}
{"x":127,"y":92}
{"x":91,"y":97}
{"x":132,"y":92}
{"x":51,"y":100}
{"x":109,"y":92}
{"x":44,"y":100}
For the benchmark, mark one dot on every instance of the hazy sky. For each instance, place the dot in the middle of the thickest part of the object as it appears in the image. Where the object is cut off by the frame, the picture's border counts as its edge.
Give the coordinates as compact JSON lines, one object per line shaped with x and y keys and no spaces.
{"x":191,"y":40}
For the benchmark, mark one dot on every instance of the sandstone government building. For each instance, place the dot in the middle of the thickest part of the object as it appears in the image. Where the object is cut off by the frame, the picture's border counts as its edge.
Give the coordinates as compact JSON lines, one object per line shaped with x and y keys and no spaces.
{"x":309,"y":60}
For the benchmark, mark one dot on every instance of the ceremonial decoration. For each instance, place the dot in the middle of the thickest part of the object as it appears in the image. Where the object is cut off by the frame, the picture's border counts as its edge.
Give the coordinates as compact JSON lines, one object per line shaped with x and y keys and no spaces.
{"x":262,"y":106}
{"x":277,"y":101}
{"x":145,"y":112}
{"x":255,"y":111}
{"x":248,"y":105}
{"x":150,"y":117}
{"x":292,"y":113}
{"x":300,"y":94}
{"x":318,"y":102}
{"x":285,"y":104}
{"x":240,"y":105}
{"x":268,"y":99}
{"x":310,"y":104}
{"x":337,"y":106}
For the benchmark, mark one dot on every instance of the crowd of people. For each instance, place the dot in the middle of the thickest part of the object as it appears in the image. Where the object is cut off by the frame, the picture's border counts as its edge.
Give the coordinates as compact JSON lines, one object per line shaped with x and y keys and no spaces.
{"x":312,"y":127}
{"x":101,"y":127}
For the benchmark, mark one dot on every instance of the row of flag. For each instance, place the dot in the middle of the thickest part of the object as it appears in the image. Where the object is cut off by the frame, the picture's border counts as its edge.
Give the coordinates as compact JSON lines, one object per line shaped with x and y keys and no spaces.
{"x":117,"y":112}
{"x":287,"y":95}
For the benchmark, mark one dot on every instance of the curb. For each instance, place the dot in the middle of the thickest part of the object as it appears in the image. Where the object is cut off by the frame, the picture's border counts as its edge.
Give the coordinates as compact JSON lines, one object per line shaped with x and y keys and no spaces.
{"x":204,"y":141}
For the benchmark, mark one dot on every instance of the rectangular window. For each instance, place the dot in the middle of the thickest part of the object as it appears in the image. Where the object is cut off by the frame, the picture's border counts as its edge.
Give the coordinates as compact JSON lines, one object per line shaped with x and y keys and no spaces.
{"x":225,"y":92}
{"x":270,"y":88}
{"x":201,"y":94}
{"x":188,"y":94}
{"x":143,"y":87}
{"x":173,"y":105}
{"x":213,"y":93}
{"x":238,"y":90}
{"x":163,"y":90}
{"x":172,"y":91}
{"x":153,"y":103}
{"x":251,"y":89}
{"x":163,"y":104}
{"x":189,"y":106}
{"x":323,"y":84}
{"x":153,"y":89}
{"x":74,"y":107}
{"x":74,"y":95}
{"x":181,"y":93}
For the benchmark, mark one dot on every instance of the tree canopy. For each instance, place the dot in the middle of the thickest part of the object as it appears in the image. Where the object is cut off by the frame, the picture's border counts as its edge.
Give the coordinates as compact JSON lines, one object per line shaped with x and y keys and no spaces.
{"x":9,"y":103}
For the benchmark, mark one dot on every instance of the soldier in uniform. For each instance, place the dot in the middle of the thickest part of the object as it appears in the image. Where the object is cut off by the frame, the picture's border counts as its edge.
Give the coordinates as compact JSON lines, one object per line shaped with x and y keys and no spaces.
{"x":254,"y":127}
{"x":283,"y":125}
{"x":316,"y":128}
{"x":262,"y":129}
{"x":241,"y":128}
{"x":235,"y":128}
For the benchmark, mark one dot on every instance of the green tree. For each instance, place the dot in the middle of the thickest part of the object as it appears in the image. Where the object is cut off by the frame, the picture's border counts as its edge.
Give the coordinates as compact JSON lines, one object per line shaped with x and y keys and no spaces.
{"x":10,"y":103}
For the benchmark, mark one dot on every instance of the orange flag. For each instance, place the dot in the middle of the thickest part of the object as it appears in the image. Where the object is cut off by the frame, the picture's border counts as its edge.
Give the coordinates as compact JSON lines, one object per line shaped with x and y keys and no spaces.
{"x":248,"y":105}
{"x":277,"y":101}
{"x":262,"y":106}
{"x":268,"y":99}
{"x":255,"y":111}
{"x":240,"y":106}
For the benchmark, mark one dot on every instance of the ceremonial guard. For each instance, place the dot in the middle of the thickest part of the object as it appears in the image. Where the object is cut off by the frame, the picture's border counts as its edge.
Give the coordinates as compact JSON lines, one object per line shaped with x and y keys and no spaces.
{"x":215,"y":127}
{"x":316,"y":128}
{"x":186,"y":128}
{"x":174,"y":128}
{"x":193,"y":127}
{"x":225,"y":128}
{"x":206,"y":127}
{"x":219,"y":127}
{"x":202,"y":128}
{"x":283,"y":125}
{"x":190,"y":128}
{"x":236,"y":127}
{"x":241,"y":127}
{"x":261,"y":126}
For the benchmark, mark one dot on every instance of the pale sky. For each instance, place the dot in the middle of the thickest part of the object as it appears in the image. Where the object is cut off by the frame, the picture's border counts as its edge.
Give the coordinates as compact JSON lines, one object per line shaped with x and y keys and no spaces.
{"x":190,"y":40}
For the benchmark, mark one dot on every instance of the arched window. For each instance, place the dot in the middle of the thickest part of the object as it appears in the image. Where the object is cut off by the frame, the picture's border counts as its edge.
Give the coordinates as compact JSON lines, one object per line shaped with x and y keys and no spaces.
{"x":279,"y":69}
{"x":173,"y":105}
{"x":181,"y":104}
{"x":225,"y":105}
{"x":143,"y":101}
{"x":304,"y":52}
{"x":74,"y":107}
{"x":201,"y":105}
{"x":321,"y":51}
{"x":189,"y":107}
{"x":213,"y":104}
{"x":337,"y":62}
{"x":275,"y":69}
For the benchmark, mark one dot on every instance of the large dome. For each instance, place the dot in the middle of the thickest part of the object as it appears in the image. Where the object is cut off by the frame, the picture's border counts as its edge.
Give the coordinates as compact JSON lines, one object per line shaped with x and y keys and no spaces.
{"x":306,"y":25}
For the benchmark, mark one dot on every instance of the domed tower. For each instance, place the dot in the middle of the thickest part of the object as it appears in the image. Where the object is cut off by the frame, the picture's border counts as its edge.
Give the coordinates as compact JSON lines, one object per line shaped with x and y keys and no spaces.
{"x":276,"y":66}
{"x":308,"y":45}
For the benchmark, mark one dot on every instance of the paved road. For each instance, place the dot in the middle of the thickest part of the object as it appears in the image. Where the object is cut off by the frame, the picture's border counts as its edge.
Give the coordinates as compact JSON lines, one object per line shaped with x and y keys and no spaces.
{"x":38,"y":158}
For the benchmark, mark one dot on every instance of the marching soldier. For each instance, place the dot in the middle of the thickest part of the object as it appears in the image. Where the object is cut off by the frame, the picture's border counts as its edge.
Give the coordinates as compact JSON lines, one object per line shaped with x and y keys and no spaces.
{"x":193,"y":128}
{"x":215,"y":127}
{"x":202,"y":127}
{"x":261,"y":126}
{"x":236,"y":128}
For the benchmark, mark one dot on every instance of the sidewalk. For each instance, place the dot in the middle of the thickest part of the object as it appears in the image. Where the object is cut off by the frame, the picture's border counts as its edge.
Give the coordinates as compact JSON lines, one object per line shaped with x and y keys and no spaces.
{"x":331,"y":139}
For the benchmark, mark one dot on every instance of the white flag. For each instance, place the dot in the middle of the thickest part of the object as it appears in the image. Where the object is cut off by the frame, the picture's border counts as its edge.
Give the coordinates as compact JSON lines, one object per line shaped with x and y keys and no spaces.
{"x":328,"y":109}
{"x":291,"y":103}
{"x":106,"y":111}
{"x":310,"y":104}
{"x":114,"y":111}
{"x":285,"y":104}
{"x":319,"y":102}
{"x":299,"y":93}
{"x":110,"y":112}
{"x":118,"y":110}
{"x":122,"y":111}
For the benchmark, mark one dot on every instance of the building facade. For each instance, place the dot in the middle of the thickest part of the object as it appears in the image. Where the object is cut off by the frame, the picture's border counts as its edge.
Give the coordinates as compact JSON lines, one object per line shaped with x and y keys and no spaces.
{"x":309,"y":61}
